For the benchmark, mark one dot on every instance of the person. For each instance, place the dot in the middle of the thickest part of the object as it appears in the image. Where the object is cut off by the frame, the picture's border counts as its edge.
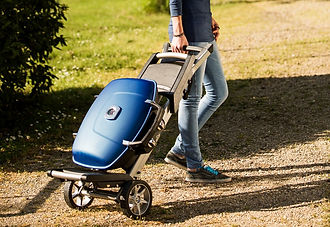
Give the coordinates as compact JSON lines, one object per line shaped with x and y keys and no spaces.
{"x":192,"y":24}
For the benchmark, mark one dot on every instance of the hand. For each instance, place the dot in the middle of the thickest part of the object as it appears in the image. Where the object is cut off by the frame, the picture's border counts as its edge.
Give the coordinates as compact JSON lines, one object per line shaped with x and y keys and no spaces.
{"x":215,"y":29}
{"x":178,"y":43}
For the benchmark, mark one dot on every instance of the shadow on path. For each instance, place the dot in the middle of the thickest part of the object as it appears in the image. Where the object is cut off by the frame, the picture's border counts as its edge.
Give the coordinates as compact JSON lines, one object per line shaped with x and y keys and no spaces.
{"x":260,"y":115}
{"x":294,"y":195}
{"x":33,"y":205}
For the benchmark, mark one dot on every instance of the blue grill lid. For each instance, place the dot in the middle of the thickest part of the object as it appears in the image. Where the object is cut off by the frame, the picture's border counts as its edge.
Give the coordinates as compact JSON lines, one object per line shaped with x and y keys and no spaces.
{"x":119,"y":113}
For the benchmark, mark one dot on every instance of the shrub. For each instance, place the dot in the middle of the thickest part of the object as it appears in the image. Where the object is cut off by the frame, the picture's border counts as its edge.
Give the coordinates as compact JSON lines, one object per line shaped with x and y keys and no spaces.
{"x":28,"y":33}
{"x":157,"y":5}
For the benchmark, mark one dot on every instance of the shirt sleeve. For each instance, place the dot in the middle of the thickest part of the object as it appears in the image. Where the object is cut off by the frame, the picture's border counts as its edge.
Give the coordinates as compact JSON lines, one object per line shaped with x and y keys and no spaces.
{"x":175,"y":8}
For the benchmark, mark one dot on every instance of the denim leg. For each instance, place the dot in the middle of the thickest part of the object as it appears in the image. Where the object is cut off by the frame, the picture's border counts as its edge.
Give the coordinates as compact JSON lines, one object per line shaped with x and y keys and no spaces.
{"x":216,"y":89}
{"x":187,"y":143}
{"x":194,"y":112}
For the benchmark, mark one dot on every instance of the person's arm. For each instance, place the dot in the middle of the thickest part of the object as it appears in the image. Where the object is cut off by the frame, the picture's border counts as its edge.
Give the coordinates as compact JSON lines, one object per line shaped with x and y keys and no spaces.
{"x":179,"y":39}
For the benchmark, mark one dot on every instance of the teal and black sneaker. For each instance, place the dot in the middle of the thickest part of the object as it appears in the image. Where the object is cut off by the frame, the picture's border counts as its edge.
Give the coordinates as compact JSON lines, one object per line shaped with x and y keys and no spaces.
{"x":206,"y":174}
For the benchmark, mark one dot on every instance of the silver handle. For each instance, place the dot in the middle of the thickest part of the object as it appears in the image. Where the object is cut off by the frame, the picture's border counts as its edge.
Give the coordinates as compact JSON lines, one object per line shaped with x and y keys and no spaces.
{"x":172,"y":55}
{"x":203,"y":54}
{"x":201,"y":57}
{"x":133,"y":143}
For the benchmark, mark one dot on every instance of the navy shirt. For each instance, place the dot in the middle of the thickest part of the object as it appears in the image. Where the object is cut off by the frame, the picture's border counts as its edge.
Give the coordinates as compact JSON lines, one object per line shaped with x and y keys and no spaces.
{"x":196,"y":19}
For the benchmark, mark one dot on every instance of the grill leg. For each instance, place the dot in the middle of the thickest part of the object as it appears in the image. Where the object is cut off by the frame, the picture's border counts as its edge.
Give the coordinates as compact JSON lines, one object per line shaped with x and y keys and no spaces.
{"x":136,"y":169}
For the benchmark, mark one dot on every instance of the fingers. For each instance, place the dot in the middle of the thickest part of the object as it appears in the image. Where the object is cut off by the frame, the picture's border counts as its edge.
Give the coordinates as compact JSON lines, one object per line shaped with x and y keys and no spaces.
{"x":178,"y":44}
{"x":173,"y":48}
{"x":177,"y":48}
{"x":216,"y":34}
{"x":215,"y":29}
{"x":181,"y":49}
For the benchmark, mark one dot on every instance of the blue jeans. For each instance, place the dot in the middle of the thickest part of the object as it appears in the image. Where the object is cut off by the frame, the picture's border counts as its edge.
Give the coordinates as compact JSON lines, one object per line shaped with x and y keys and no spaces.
{"x":195,"y":111}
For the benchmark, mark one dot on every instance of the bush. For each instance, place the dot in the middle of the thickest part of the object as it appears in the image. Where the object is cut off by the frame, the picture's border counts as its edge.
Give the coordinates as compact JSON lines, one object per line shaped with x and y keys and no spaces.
{"x":28,"y":33}
{"x":157,"y":5}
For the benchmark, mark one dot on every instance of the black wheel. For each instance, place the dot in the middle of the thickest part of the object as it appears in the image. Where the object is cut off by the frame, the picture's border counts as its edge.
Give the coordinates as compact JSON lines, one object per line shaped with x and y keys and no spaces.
{"x":76,"y":194}
{"x":136,"y":199}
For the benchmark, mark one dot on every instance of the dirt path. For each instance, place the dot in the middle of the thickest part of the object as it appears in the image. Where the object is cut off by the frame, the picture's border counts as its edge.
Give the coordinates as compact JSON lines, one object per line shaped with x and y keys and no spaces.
{"x":271,"y":136}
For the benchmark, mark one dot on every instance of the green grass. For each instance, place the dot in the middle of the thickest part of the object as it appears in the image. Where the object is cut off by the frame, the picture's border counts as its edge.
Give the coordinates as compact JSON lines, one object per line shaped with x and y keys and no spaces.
{"x":106,"y":40}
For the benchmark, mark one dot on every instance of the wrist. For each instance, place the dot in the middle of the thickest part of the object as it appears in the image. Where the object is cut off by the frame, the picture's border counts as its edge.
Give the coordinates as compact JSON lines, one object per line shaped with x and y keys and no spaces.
{"x":178,"y":35}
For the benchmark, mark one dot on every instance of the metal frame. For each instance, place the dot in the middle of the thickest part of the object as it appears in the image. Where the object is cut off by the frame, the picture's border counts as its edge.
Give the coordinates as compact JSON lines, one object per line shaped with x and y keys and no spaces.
{"x":134,"y":172}
{"x":194,"y":58}
{"x":103,"y":179}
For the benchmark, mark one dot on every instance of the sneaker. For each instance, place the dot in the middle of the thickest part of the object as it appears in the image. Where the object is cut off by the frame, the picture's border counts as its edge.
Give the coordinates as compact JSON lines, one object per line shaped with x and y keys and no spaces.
{"x":171,"y":158}
{"x":206,"y":174}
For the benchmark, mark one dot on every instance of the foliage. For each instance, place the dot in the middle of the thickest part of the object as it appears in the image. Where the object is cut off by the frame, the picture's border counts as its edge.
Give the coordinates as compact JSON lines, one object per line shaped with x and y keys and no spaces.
{"x":28,"y":33}
{"x":157,"y":5}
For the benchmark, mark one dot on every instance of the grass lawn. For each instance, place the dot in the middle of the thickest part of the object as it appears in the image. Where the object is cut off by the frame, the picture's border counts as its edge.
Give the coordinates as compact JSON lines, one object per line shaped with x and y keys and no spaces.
{"x":106,"y":40}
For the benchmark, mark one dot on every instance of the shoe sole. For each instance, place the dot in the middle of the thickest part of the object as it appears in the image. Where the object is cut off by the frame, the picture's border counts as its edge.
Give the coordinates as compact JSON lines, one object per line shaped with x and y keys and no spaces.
{"x":208,"y":181}
{"x":169,"y":161}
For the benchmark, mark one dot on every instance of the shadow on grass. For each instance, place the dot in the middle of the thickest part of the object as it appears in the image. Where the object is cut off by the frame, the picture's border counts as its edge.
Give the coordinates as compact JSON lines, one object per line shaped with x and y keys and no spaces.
{"x":260,"y":115}
{"x":35,"y":131}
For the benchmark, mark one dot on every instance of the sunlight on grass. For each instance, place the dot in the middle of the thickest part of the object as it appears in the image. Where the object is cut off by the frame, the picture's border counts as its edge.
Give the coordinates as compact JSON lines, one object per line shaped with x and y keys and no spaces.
{"x":106,"y":40}
{"x":111,"y":40}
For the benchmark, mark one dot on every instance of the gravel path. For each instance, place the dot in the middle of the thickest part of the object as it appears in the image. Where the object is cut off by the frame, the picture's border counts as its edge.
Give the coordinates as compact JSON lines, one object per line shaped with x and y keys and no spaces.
{"x":285,"y":187}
